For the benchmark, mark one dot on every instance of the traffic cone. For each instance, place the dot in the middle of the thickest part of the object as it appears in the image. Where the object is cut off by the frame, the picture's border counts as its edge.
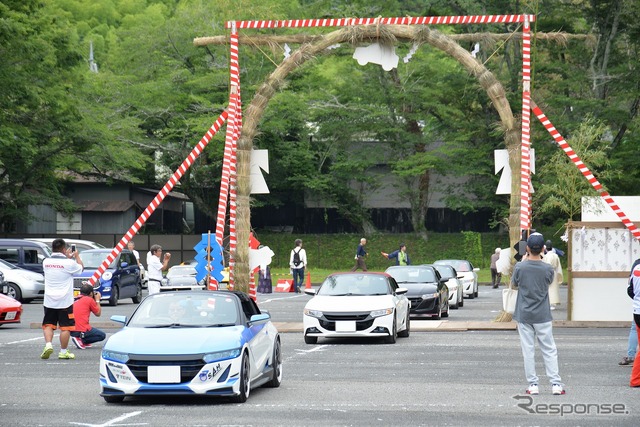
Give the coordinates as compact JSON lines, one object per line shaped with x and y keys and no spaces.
{"x":308,"y":284}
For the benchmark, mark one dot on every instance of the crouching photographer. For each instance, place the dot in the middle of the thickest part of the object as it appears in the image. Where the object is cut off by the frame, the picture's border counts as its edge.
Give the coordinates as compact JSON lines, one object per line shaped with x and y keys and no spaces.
{"x":86,"y":303}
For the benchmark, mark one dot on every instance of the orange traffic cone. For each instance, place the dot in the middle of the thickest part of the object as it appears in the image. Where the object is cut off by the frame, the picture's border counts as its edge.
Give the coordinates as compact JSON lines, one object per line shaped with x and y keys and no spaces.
{"x":307,"y":285}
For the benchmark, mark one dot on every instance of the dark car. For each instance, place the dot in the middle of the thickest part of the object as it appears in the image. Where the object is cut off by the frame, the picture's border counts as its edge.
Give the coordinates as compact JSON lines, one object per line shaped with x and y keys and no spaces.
{"x":428,"y":291}
{"x":24,"y":253}
{"x":120,"y":280}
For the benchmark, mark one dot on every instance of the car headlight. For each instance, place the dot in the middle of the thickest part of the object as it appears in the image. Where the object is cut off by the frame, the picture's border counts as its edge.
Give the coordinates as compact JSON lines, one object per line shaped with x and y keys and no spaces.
{"x":106,"y":276}
{"x":313,"y":313}
{"x":221,"y":355}
{"x":115,"y":356}
{"x":430,"y":296}
{"x":164,"y":282}
{"x":383,"y":312}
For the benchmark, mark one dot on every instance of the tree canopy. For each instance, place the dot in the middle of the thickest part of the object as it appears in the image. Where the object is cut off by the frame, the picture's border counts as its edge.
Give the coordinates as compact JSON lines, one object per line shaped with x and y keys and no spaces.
{"x":334,"y":131}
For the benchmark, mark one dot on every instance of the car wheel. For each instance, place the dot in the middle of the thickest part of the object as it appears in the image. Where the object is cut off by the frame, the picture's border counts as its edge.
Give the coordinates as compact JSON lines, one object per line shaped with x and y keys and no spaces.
{"x":391,"y":339}
{"x":439,"y":313}
{"x":138,"y":296}
{"x":456,"y":305}
{"x":446,"y":312}
{"x":113,"y":399}
{"x":461,"y":301}
{"x":310,"y":340}
{"x":407,"y":330}
{"x":14,"y":291}
{"x":476,"y":292}
{"x":276,"y":380}
{"x":245,"y":382}
{"x":472,"y":295}
{"x":115,"y":294}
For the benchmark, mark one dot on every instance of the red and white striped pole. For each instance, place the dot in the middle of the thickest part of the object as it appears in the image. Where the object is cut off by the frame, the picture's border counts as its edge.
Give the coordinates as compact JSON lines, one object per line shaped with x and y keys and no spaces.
{"x":186,"y":164}
{"x":234,"y":71}
{"x":585,"y":171}
{"x":405,"y":20}
{"x":525,"y":168}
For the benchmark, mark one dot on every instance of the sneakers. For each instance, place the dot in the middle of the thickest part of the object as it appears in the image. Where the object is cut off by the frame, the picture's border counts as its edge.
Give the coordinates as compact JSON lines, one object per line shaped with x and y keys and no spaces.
{"x":626,"y":361}
{"x":66,"y":355}
{"x":557,"y":389}
{"x":87,"y":345}
{"x":77,"y":341}
{"x":48,"y":349}
{"x":533,"y":389}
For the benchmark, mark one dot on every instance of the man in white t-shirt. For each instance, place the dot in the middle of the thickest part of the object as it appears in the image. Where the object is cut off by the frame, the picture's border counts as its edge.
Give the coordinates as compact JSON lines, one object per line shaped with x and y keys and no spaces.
{"x":156,"y":264}
{"x":58,"y":296}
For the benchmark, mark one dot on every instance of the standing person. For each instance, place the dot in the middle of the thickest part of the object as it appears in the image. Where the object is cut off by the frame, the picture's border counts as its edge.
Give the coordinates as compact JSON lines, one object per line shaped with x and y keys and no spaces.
{"x":632,"y":342}
{"x":551,"y":258}
{"x":155,"y":267}
{"x":532,"y":276}
{"x":297,"y":262}
{"x":634,"y":292}
{"x":88,"y":302}
{"x":495,"y":276}
{"x":131,"y":246}
{"x":361,"y":254}
{"x":58,"y":297}
{"x":401,"y":256}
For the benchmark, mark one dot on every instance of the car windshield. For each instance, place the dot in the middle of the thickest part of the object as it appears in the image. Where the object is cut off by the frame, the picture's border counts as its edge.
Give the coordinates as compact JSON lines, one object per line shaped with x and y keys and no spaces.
{"x":445,"y":271}
{"x":459,"y":265}
{"x":93,"y":260}
{"x":4,"y":265}
{"x":187,"y":310}
{"x":354,"y":284}
{"x":181,"y":271}
{"x":412,"y":275}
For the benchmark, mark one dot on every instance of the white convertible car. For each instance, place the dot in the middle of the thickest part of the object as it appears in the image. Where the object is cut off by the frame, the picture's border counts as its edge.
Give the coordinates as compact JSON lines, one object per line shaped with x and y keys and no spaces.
{"x":357,"y":305}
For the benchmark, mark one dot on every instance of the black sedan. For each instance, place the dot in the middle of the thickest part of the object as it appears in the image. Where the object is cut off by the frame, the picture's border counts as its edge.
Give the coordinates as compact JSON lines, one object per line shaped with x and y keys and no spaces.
{"x":428,"y":291}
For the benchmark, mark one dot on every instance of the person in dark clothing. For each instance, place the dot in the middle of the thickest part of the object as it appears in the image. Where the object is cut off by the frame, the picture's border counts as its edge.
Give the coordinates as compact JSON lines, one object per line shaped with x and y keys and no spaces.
{"x":361,"y":254}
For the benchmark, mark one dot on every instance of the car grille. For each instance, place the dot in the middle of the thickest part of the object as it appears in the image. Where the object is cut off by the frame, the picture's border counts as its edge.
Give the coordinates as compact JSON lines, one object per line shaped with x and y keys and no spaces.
{"x":190,"y":365}
{"x":415,"y":301}
{"x":79,"y":281}
{"x":362,"y":319}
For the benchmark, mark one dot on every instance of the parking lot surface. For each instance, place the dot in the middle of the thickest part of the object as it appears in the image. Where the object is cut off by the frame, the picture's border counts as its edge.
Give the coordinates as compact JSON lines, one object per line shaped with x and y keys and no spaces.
{"x":466,"y":378}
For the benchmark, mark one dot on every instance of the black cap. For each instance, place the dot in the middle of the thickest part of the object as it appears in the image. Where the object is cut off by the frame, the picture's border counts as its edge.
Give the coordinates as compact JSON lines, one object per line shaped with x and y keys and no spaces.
{"x":535,"y":242}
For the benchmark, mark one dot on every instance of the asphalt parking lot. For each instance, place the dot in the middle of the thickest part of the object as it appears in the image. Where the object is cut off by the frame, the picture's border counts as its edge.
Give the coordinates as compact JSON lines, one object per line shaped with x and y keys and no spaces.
{"x":434,"y":377}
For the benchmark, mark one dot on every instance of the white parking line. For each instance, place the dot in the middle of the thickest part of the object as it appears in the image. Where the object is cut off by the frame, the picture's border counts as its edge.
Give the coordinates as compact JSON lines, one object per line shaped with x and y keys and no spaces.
{"x":280,"y":299}
{"x":115,"y":420}
{"x":21,"y":341}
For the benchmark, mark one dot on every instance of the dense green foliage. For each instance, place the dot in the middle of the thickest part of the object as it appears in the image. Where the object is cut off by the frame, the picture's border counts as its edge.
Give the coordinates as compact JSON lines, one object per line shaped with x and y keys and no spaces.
{"x":332,"y":126}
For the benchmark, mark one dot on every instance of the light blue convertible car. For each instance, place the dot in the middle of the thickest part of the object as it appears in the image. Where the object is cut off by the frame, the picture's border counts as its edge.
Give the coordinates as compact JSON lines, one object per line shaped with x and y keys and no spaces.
{"x":212,"y":343}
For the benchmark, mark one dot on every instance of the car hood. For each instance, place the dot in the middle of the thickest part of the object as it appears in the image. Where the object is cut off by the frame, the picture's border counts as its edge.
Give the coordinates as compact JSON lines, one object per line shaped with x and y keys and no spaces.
{"x":14,"y":274}
{"x":170,"y":341}
{"x":8,"y":302}
{"x":182,"y":280}
{"x":417,"y":289}
{"x":351,"y":303}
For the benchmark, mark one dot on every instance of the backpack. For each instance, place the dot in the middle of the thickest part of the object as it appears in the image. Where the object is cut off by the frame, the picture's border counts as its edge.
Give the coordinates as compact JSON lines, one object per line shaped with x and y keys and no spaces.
{"x":296,"y":257}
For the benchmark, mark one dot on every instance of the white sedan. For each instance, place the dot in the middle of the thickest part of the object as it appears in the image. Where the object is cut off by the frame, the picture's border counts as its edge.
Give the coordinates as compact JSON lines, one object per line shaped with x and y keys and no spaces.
{"x":469,"y":275}
{"x":357,"y":305}
{"x":22,"y":285}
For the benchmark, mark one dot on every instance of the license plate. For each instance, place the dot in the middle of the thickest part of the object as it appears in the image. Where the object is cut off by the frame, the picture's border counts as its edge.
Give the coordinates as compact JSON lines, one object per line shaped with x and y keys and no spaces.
{"x":163,"y":374}
{"x":10,"y":315}
{"x":346,"y":326}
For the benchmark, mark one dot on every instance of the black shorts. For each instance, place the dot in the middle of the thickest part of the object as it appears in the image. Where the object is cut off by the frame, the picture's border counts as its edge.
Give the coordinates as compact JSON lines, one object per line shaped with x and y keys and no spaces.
{"x":59,"y":317}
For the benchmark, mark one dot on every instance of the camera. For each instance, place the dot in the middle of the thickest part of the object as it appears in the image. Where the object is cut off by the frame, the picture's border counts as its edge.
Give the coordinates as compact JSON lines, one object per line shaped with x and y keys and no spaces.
{"x":73,"y":248}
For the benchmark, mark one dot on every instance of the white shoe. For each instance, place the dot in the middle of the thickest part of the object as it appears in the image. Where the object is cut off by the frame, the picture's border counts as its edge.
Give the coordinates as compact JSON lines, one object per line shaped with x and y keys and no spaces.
{"x":557,"y":389}
{"x":533,"y":389}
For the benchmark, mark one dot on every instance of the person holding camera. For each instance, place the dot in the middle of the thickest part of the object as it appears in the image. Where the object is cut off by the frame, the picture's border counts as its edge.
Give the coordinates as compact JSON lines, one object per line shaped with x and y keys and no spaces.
{"x":86,"y":303}
{"x":156,"y":264}
{"x":59,"y":269}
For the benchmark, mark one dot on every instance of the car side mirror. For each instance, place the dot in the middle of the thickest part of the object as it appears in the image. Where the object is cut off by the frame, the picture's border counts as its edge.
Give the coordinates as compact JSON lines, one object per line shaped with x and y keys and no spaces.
{"x":476,"y":269}
{"x":124,"y":264}
{"x":259,"y":317}
{"x":444,"y":281}
{"x":401,"y":291}
{"x":119,"y":318}
{"x":311,"y":292}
